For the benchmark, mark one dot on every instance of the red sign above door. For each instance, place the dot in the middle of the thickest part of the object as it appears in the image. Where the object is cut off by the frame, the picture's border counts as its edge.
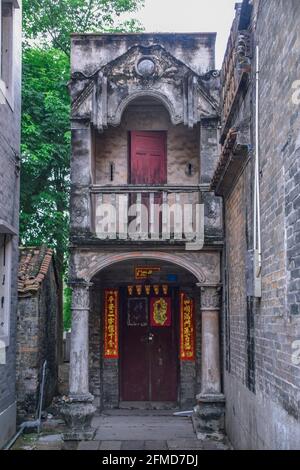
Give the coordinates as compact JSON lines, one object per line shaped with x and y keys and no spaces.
{"x":143,"y":272}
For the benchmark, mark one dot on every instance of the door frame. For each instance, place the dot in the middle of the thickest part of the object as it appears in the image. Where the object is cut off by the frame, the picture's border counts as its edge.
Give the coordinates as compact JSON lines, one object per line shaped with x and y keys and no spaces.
{"x":176,"y":318}
{"x":163,"y":132}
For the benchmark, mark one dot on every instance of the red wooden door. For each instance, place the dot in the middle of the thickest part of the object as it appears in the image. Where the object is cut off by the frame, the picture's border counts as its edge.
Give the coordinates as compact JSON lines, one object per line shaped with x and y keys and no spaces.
{"x":134,"y":350}
{"x":163,"y":364}
{"x":148,"y":355}
{"x":148,"y":163}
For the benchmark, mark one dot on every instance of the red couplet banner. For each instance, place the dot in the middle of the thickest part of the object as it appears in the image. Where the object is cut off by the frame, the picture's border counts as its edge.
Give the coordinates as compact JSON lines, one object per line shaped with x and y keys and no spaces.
{"x":111,"y":314}
{"x":187,"y":328}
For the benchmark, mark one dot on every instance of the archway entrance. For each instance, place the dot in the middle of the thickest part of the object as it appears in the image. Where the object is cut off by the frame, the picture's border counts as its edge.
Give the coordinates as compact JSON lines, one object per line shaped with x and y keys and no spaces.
{"x":147,"y":368}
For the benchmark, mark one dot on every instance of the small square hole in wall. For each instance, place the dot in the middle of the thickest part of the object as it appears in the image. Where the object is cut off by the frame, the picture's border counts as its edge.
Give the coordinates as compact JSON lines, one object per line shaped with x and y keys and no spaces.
{"x":111,"y":171}
{"x":190,"y":169}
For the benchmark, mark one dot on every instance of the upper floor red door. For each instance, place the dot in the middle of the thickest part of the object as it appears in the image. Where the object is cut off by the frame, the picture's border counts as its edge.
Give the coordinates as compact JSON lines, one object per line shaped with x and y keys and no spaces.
{"x":148,"y":162}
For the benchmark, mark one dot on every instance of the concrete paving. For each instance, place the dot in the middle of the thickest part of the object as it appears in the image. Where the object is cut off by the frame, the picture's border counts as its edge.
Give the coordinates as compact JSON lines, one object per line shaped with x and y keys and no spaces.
{"x":131,"y":430}
{"x":137,"y":430}
{"x":160,"y":428}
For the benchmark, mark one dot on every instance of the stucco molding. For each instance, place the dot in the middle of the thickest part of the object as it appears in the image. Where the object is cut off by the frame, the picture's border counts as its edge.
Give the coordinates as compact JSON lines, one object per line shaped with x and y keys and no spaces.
{"x":210,"y":298}
{"x":103,"y":96}
{"x":174,"y":116}
{"x":205,"y":266}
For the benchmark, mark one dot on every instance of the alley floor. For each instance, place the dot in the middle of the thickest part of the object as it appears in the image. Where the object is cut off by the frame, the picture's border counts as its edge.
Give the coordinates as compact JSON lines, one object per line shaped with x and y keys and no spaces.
{"x":129,"y":430}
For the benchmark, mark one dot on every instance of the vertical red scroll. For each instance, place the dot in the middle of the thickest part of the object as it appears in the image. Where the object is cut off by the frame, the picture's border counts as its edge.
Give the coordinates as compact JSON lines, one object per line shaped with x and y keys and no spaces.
{"x":111,"y":314}
{"x":187,"y":328}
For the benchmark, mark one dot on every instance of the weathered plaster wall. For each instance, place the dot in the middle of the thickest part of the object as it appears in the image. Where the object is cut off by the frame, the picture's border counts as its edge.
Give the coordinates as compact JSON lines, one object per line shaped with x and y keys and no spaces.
{"x":97,"y":104}
{"x":9,"y":212}
{"x":204,"y":265}
{"x":257,"y":422}
{"x":105,"y":79}
{"x":91,"y":51}
{"x":182,"y":146}
{"x":108,"y":98}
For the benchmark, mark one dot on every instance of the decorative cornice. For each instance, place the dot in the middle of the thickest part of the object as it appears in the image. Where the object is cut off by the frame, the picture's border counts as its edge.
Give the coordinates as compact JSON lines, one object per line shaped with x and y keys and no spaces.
{"x":105,"y":93}
{"x":233,"y":159}
{"x":227,"y":149}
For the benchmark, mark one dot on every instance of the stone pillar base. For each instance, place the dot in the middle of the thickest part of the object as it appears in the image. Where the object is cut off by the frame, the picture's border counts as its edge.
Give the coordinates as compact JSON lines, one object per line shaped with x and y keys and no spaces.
{"x":78,"y":413}
{"x":208,"y":416}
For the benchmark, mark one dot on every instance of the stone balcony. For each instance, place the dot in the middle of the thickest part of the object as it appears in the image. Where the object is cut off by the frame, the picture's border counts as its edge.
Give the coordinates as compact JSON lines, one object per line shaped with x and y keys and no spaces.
{"x":152,"y":215}
{"x":147,"y":214}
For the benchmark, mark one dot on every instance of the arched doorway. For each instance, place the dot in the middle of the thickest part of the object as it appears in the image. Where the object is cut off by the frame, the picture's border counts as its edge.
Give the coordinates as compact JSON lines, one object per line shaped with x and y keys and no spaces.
{"x":148,"y":370}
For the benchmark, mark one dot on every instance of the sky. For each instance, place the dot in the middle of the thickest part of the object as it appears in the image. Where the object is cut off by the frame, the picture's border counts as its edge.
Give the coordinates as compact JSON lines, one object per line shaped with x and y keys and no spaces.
{"x":190,"y":16}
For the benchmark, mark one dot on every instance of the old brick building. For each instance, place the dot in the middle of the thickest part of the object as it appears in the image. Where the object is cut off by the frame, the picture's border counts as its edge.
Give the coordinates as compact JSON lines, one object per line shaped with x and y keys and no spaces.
{"x":39,"y":329}
{"x":145,"y":294}
{"x":258,"y":177}
{"x":10,"y":105}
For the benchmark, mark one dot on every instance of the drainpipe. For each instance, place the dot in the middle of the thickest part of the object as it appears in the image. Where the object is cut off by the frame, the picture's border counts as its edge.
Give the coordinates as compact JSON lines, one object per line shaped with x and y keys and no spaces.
{"x":256,"y":224}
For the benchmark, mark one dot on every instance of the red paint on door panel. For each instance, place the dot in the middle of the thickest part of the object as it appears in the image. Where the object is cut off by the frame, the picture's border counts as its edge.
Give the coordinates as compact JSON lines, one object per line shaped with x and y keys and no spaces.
{"x":163,"y":373}
{"x":148,"y":163}
{"x":135,"y":354}
{"x":149,"y":356}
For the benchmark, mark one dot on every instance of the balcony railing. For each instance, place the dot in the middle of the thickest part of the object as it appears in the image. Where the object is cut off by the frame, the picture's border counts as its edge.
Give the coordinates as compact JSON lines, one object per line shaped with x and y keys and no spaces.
{"x":148,"y":213}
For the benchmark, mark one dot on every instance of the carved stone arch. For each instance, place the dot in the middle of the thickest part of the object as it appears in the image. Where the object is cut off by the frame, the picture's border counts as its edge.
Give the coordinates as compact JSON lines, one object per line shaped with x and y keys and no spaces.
{"x":105,"y":261}
{"x":175,"y":118}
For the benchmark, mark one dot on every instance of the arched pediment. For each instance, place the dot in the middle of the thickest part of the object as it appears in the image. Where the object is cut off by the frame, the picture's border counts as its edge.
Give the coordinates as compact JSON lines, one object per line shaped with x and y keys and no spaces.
{"x":142,"y":71}
{"x":163,"y":99}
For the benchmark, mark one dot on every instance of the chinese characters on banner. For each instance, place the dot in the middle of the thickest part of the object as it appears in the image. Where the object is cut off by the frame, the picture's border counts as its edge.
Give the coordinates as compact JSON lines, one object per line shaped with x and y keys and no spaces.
{"x":111,"y":310}
{"x":187,"y":330}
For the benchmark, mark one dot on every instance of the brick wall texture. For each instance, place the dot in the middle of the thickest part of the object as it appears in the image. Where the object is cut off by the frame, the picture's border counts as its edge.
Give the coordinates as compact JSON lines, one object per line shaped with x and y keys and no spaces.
{"x":261,"y":343}
{"x":37,"y":341}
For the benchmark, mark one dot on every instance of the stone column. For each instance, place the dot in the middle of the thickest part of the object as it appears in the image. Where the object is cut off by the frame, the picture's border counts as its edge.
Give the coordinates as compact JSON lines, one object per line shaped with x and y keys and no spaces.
{"x":80,"y":203}
{"x":209,"y":412}
{"x":209,"y":151}
{"x":210,"y":309}
{"x":78,"y":409}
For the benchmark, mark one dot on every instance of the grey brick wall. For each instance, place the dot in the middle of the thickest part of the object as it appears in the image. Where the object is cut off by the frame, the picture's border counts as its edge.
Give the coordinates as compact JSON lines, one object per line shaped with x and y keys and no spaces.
{"x":261,"y":383}
{"x":9,"y":212}
{"x":280,"y":131}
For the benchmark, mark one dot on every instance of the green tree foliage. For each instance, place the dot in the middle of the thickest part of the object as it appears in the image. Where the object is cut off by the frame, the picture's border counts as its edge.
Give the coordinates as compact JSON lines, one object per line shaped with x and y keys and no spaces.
{"x":45,"y":149}
{"x":52,"y":21}
{"x":67,"y":308}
